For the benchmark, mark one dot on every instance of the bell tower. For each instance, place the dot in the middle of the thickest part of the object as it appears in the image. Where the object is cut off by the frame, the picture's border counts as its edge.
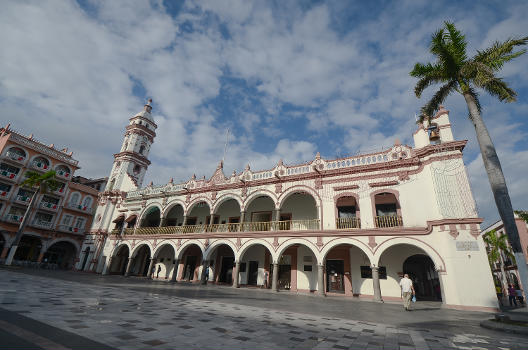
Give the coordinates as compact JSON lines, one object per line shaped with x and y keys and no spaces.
{"x":131,"y":163}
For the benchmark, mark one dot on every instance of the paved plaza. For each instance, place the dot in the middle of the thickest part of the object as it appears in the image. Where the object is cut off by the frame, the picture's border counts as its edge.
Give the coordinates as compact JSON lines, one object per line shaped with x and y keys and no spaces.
{"x":68,"y":310}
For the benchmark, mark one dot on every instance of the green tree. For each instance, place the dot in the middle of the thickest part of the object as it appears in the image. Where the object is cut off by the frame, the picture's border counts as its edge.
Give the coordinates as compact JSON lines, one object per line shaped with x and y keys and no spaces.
{"x":523,"y":214}
{"x":497,"y":246}
{"x":458,"y":73}
{"x":40,"y":183}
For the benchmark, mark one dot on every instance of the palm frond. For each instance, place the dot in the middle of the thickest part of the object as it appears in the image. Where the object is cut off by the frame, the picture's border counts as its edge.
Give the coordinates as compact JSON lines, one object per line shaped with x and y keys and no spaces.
{"x":440,"y":49}
{"x":438,"y":98}
{"x":500,"y":53}
{"x":498,"y":88}
{"x":456,"y":42}
{"x":429,"y":74}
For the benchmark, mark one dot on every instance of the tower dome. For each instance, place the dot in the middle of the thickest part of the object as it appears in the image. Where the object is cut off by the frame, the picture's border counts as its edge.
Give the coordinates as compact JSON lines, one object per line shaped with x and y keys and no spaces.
{"x":146,"y":112}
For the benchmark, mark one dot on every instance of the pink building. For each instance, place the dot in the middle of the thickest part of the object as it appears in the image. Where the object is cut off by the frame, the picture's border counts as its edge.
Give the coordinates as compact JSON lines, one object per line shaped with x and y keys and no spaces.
{"x":59,"y":219}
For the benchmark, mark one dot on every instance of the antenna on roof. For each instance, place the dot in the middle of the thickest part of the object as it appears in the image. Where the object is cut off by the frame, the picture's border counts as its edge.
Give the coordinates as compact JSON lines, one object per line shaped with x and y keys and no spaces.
{"x":225,"y":146}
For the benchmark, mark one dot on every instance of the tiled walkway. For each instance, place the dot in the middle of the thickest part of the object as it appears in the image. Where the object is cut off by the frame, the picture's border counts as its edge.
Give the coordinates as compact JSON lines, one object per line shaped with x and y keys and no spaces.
{"x":130,"y":319}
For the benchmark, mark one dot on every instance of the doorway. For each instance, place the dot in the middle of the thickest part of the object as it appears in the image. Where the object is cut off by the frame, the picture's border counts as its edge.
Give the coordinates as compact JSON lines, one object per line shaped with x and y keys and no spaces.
{"x":335,"y":271}
{"x":190,"y":266}
{"x":425,"y":279}
{"x":253,"y":273}
{"x":285,"y":277}
{"x":226,"y":273}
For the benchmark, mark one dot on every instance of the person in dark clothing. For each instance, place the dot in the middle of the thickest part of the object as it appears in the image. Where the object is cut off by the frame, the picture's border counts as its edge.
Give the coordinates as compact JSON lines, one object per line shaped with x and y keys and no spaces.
{"x":512,"y":295}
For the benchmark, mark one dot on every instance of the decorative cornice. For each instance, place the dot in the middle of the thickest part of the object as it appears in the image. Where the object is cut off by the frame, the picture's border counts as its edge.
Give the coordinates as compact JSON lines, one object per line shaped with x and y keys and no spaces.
{"x":343,"y":188}
{"x":383,"y":184}
{"x":127,"y":155}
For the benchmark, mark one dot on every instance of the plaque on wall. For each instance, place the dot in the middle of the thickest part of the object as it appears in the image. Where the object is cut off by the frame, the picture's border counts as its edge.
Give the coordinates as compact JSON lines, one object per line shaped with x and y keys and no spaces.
{"x":465,"y":246}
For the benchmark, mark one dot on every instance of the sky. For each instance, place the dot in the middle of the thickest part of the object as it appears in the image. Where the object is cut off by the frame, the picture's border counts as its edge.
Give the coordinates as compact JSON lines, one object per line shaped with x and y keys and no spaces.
{"x":287,"y":78}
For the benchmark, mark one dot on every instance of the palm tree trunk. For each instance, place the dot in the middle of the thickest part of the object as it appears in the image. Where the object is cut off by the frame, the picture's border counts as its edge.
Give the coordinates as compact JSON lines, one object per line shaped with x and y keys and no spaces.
{"x":498,"y":186}
{"x":21,"y":229}
{"x":503,"y":274}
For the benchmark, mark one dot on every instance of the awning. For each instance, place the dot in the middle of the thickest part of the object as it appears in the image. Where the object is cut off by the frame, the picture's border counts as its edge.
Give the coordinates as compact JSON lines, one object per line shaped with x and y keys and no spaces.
{"x":131,"y":218}
{"x":119,"y":218}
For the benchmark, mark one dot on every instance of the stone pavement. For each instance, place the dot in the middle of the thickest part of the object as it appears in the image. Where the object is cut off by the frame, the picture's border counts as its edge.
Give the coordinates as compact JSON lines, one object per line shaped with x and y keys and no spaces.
{"x":125,"y":318}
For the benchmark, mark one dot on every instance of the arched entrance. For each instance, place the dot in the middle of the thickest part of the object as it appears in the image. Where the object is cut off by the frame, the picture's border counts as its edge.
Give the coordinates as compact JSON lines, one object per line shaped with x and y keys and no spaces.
{"x":298,"y":212}
{"x":222,"y":263}
{"x":190,"y":263}
{"x":200,"y":215}
{"x":174,"y":216}
{"x":141,"y":261}
{"x":348,"y":271}
{"x":28,"y":248}
{"x":425,"y":279}
{"x":62,"y":254}
{"x":259,"y":214}
{"x":228,"y":216}
{"x":403,"y":258}
{"x":256,"y":265}
{"x":119,"y":261}
{"x":151,"y":218}
{"x":297,"y":267}
{"x":165,"y":262}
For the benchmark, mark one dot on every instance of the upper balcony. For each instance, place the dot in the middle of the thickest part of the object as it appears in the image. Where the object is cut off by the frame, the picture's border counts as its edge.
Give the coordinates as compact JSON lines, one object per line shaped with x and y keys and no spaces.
{"x":70,"y":229}
{"x":23,"y":196}
{"x":41,"y":164}
{"x":62,"y":171}
{"x":8,"y":171}
{"x":5,"y":190}
{"x":49,"y":203}
{"x":16,"y":154}
{"x":79,"y":207}
{"x":14,"y":217}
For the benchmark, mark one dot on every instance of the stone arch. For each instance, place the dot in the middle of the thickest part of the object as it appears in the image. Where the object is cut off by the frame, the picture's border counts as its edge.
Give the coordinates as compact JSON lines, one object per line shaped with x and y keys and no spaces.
{"x":65,"y":239}
{"x":299,"y":188}
{"x":12,"y":147}
{"x":292,"y":241}
{"x":163,"y":244}
{"x":225,"y":197}
{"x":146,"y":212}
{"x":246,"y":245}
{"x":214,"y":244}
{"x":138,"y":246}
{"x":396,"y":194}
{"x":429,"y":250}
{"x":195,"y":201}
{"x":119,"y":246}
{"x":349,"y":241}
{"x":258,"y":193}
{"x":40,"y":155}
{"x":179,"y":252}
{"x":171,"y":205}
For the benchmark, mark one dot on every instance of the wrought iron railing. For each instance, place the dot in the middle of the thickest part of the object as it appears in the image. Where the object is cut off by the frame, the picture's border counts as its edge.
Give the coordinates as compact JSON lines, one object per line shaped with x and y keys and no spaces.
{"x":347,"y":223}
{"x":388,"y":221}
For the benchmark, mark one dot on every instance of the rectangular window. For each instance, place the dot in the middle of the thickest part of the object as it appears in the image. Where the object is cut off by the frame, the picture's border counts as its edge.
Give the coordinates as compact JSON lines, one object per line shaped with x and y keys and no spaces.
{"x":307,"y":267}
{"x":67,"y":220}
{"x":80,"y":223}
{"x":366,"y":272}
{"x":386,"y":209}
{"x":346,"y":212}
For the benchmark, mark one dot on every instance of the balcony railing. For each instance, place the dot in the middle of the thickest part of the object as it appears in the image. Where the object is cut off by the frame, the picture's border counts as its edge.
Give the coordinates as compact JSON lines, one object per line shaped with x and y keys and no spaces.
{"x":388,"y":221}
{"x":79,"y":207}
{"x":347,"y":223}
{"x":48,"y":205}
{"x":4,"y":194}
{"x":68,"y":228}
{"x":42,"y":223}
{"x":40,"y":165}
{"x":292,"y":225}
{"x":15,"y":156}
{"x":23,"y":198}
{"x":7,"y":174}
{"x":14,"y":217}
{"x":60,"y":190}
{"x":64,"y":174}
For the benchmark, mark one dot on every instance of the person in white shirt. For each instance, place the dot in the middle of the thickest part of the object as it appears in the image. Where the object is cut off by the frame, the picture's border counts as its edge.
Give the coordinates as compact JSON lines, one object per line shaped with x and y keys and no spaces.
{"x":407,"y":291}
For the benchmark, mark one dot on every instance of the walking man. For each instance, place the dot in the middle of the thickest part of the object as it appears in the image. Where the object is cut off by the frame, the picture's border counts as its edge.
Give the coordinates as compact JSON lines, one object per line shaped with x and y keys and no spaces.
{"x":407,"y":291}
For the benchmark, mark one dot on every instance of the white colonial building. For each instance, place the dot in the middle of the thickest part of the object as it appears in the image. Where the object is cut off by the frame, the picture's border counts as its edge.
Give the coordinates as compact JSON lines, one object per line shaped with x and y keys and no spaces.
{"x":349,"y":226}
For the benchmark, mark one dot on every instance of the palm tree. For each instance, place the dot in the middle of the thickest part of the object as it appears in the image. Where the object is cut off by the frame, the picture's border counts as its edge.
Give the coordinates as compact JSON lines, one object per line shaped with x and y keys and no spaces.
{"x":41,"y":183}
{"x":498,"y":245}
{"x":461,"y":74}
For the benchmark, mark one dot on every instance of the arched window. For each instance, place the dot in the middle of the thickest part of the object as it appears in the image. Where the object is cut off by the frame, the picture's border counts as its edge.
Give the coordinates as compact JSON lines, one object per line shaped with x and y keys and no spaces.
{"x":141,"y":149}
{"x":16,"y":153}
{"x":87,"y":203}
{"x":74,"y":199}
{"x":63,"y":170}
{"x":41,"y":163}
{"x":137,"y":169}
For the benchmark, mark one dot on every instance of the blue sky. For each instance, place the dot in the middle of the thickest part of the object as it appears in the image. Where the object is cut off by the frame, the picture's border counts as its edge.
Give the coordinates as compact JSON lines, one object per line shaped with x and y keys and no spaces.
{"x":288,"y":78}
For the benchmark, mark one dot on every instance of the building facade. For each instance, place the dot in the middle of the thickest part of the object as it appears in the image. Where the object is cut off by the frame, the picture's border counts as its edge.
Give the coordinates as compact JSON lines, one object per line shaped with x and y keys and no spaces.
{"x":510,"y":266}
{"x":58,"y":222}
{"x":349,"y":226}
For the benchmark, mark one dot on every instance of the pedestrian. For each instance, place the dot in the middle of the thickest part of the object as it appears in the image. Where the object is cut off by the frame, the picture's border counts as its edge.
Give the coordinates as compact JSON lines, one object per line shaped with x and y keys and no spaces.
{"x":206,"y":275}
{"x":152,"y":271}
{"x":512,"y":295}
{"x":159,"y":269}
{"x":407,"y":291}
{"x":266,"y":274}
{"x":519,"y":294}
{"x":498,"y":289}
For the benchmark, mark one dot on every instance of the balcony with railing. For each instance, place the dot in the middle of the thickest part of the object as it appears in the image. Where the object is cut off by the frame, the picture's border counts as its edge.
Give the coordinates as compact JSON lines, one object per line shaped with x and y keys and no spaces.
{"x":23,"y":196}
{"x":48,"y":205}
{"x":388,"y":221}
{"x":79,"y":207}
{"x":8,"y":171}
{"x":5,"y":191}
{"x":16,"y":155}
{"x":40,"y":163}
{"x":70,"y":229}
{"x":63,"y":172}
{"x":60,"y":190}
{"x":288,"y":225}
{"x":42,"y":223}
{"x":14,"y":218}
{"x":348,"y":223}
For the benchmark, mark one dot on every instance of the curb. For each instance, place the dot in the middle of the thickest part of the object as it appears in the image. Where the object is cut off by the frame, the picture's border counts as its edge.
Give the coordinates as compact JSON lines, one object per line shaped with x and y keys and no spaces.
{"x":503,"y":327}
